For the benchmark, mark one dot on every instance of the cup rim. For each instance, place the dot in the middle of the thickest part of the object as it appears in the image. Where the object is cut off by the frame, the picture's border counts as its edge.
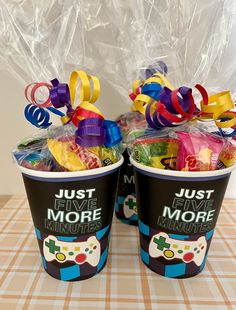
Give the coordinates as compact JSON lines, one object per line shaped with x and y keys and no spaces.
{"x":182,"y":174}
{"x":71,"y":174}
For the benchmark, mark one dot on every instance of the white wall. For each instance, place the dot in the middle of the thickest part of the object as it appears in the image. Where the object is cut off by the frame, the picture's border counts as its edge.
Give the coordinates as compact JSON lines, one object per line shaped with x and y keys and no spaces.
{"x":14,"y":127}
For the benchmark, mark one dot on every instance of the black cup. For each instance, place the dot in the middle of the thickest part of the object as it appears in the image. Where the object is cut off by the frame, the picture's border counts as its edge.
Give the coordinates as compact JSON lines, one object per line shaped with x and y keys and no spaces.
{"x":125,"y":207}
{"x":72,"y":214}
{"x":177,"y":214}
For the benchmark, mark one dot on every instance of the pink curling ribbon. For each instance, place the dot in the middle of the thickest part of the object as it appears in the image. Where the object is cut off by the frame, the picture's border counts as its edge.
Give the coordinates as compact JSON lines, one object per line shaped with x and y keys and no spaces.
{"x":30,"y":94}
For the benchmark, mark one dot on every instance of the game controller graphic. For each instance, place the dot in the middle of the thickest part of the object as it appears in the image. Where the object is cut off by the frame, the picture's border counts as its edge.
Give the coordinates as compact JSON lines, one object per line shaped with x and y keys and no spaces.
{"x":189,"y":251}
{"x":129,"y":206}
{"x":78,"y":252}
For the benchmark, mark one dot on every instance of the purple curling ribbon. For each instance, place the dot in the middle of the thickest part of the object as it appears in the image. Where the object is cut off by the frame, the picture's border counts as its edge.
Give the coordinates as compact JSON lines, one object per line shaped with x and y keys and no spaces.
{"x":90,"y":132}
{"x":60,"y":96}
{"x":157,"y":120}
{"x":160,"y":66}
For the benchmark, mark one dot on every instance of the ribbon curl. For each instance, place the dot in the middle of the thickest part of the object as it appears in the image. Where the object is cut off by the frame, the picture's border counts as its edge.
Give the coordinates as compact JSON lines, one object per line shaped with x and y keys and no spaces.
{"x":87,"y":96}
{"x":93,"y":132}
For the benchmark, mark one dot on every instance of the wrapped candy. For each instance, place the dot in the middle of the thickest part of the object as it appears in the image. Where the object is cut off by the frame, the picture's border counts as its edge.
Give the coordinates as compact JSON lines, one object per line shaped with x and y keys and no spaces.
{"x":198,"y":151}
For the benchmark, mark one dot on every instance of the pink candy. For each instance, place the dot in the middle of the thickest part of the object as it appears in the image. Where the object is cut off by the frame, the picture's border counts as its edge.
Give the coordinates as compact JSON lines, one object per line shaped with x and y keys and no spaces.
{"x":198,"y":151}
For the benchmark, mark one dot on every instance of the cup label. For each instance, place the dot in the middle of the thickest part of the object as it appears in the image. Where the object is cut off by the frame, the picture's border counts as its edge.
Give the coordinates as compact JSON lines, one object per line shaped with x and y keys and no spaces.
{"x":126,"y":178}
{"x":72,"y":208}
{"x":181,"y":207}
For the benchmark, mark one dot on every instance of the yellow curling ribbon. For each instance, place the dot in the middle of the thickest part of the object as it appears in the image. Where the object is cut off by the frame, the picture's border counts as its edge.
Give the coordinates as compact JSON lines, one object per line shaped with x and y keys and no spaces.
{"x":160,"y":79}
{"x":142,"y":100}
{"x":65,"y":119}
{"x":136,"y":85}
{"x":217,"y":108}
{"x":88,"y":93}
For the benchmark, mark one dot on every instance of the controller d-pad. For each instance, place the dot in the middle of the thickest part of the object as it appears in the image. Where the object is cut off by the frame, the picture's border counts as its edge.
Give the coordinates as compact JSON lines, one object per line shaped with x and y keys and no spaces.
{"x":52,"y":246}
{"x":188,"y":257}
{"x":161,"y":243}
{"x":81,"y":258}
{"x":130,"y":203}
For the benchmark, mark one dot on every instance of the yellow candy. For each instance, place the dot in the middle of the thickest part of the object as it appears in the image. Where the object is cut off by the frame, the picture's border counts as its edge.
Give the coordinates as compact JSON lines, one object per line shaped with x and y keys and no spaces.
{"x":65,"y":157}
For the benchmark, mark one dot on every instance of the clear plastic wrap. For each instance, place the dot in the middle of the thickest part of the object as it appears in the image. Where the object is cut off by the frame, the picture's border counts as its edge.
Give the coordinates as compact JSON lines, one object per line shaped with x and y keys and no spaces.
{"x":118,"y":39}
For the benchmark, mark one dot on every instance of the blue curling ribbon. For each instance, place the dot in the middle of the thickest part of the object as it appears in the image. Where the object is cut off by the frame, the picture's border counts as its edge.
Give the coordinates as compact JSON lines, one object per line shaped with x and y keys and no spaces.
{"x":37,"y":116}
{"x":152,"y":90}
{"x":55,"y":111}
{"x":113,"y":133}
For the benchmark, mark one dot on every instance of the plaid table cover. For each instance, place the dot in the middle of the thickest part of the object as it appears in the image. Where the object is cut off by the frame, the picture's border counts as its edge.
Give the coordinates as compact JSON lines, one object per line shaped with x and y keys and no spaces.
{"x":125,"y":282}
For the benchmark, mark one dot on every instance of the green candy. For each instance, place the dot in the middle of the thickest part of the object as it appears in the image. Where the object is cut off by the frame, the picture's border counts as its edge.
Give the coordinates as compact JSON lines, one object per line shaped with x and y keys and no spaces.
{"x":141,"y":154}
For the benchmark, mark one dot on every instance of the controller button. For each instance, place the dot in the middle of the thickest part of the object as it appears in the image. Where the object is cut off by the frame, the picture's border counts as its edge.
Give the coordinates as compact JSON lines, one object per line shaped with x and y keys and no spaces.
{"x":71,"y":253}
{"x":94,"y":248}
{"x":168,"y":253}
{"x":90,"y":252}
{"x":81,"y":258}
{"x":198,"y":251}
{"x":61,"y":257}
{"x":188,"y":257}
{"x":202,"y":247}
{"x":195,"y":249}
{"x":180,"y":251}
{"x":87,"y":249}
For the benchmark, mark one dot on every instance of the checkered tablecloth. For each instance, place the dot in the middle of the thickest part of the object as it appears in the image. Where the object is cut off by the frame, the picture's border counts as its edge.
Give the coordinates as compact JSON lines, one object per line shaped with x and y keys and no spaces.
{"x":125,"y":283}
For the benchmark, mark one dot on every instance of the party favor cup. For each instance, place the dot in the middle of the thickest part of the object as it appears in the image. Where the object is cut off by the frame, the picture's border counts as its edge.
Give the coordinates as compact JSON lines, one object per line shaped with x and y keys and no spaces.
{"x":125,"y":207}
{"x":177,"y":214}
{"x":72,"y":214}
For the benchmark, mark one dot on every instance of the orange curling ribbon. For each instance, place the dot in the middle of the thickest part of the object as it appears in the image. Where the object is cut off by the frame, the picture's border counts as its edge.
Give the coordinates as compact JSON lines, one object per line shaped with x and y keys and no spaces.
{"x":89,"y":91}
{"x":217,"y":107}
{"x":141,"y":101}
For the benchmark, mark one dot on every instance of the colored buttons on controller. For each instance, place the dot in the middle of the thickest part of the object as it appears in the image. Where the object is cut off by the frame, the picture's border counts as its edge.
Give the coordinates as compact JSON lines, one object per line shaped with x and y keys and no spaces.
{"x":180,"y":251}
{"x":168,"y":253}
{"x":60,"y":256}
{"x":94,"y":248}
{"x":81,"y":258}
{"x":87,"y":249}
{"x":188,"y":257}
{"x":71,"y":253}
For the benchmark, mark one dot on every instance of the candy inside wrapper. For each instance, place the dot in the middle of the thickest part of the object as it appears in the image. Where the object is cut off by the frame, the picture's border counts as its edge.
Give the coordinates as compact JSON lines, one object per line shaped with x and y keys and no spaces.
{"x":190,"y":147}
{"x":129,"y":121}
{"x":57,"y":151}
{"x":198,"y":151}
{"x":228,"y":155}
{"x":156,"y":152}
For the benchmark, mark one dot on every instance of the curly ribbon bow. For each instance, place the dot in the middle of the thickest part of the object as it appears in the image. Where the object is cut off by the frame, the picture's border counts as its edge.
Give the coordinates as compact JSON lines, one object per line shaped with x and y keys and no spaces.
{"x":60,"y":97}
{"x":88,"y":95}
{"x":217,"y":107}
{"x":36,"y":112}
{"x":142,"y":97}
{"x":166,"y":110}
{"x":95,"y":132}
{"x":160,"y":66}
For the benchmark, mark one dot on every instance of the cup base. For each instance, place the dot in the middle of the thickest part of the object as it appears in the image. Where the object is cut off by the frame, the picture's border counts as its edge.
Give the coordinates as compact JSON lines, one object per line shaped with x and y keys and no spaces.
{"x":173,"y":277}
{"x":81,"y":278}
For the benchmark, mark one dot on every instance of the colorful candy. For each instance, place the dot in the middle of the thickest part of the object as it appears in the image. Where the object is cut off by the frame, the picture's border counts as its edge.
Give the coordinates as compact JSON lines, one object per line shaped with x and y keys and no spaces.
{"x":156,"y":152}
{"x":198,"y":151}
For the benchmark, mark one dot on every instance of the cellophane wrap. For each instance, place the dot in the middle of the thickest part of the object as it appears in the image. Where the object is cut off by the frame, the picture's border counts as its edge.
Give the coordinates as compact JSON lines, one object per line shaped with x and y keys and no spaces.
{"x":116,"y":40}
